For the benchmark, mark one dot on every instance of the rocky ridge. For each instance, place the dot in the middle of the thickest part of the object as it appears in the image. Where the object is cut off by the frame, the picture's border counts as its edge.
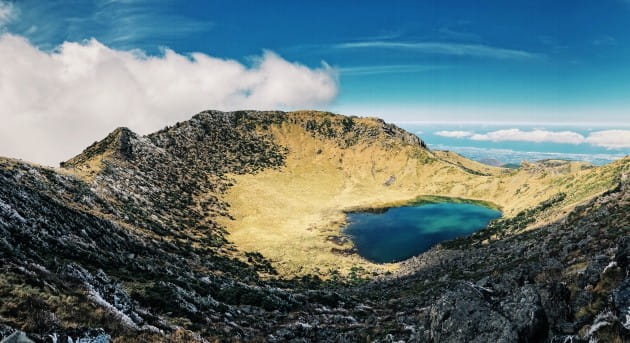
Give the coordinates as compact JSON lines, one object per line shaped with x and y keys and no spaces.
{"x":126,"y":247}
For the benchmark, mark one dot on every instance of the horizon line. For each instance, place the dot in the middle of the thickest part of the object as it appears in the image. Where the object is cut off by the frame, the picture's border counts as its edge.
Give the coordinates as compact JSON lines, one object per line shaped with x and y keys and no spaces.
{"x":477,"y":122}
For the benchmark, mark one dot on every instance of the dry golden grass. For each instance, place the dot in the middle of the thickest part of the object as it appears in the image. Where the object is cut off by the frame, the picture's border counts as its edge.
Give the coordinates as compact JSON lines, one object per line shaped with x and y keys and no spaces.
{"x":88,"y":170}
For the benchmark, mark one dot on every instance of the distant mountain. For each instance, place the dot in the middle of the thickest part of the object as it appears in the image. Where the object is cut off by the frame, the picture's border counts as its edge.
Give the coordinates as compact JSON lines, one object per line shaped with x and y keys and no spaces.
{"x":227,"y":227}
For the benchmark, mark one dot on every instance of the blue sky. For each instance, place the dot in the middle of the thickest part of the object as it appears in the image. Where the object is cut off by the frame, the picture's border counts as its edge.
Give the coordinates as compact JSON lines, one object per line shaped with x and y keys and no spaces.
{"x":526,"y":60}
{"x":72,"y":71}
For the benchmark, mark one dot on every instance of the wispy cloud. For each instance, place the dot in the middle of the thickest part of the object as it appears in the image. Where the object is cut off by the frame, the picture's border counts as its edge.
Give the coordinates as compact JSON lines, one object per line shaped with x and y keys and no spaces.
{"x":128,"y":23}
{"x":548,"y":40}
{"x":611,"y":139}
{"x":605,"y":41}
{"x":389,"y":69}
{"x":444,"y":48}
{"x":7,"y":13}
{"x":124,"y":24}
{"x":383,"y":35}
{"x":457,"y":31}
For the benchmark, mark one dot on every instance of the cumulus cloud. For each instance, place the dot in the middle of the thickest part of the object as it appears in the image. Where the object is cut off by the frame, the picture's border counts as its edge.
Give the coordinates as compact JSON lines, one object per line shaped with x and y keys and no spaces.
{"x":537,"y":136}
{"x":454,"y":134}
{"x":612,"y":139}
{"x":56,"y":103}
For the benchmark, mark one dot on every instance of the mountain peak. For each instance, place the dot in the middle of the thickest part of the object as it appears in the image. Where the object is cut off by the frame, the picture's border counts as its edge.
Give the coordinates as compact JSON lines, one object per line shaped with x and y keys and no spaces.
{"x":117,"y":144}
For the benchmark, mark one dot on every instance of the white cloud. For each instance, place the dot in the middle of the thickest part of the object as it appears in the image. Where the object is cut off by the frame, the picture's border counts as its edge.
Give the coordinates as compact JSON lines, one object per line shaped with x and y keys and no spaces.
{"x":612,"y":139}
{"x":537,"y":136}
{"x":53,"y":104}
{"x":454,"y":134}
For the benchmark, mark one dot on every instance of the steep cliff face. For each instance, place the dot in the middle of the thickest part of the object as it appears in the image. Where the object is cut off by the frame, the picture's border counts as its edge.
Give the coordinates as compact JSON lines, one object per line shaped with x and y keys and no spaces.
{"x":157,"y":237}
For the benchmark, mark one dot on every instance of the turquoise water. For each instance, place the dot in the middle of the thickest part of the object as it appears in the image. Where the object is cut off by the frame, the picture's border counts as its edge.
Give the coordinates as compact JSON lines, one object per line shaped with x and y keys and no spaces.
{"x":398,"y":233}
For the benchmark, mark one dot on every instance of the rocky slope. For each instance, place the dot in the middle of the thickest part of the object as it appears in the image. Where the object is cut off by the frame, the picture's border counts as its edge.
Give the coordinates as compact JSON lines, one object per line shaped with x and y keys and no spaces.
{"x":131,"y":241}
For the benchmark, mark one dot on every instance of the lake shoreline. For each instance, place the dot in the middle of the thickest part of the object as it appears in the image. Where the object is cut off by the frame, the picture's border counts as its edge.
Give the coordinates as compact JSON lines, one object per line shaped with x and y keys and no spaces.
{"x":422,"y":199}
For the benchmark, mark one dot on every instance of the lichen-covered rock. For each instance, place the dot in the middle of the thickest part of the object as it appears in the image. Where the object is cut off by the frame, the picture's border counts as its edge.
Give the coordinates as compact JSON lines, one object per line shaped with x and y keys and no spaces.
{"x":464,"y":314}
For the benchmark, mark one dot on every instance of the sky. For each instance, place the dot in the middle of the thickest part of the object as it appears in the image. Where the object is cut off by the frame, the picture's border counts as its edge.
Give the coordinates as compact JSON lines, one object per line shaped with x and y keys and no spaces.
{"x":71,"y":71}
{"x":512,"y":143}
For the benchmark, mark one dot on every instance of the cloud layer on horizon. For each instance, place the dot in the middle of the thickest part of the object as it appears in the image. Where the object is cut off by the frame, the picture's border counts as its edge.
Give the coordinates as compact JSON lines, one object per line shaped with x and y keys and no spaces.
{"x":610,"y":139}
{"x":56,"y":103}
{"x":455,"y":134}
{"x":536,"y":136}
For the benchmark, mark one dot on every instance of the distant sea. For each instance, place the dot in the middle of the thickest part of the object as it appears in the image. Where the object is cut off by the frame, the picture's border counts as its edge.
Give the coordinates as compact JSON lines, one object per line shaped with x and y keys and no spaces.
{"x":461,"y":141}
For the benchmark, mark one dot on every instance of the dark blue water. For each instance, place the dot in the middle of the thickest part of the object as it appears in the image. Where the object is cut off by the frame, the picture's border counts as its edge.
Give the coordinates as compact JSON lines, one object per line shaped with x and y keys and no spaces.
{"x":398,"y":233}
